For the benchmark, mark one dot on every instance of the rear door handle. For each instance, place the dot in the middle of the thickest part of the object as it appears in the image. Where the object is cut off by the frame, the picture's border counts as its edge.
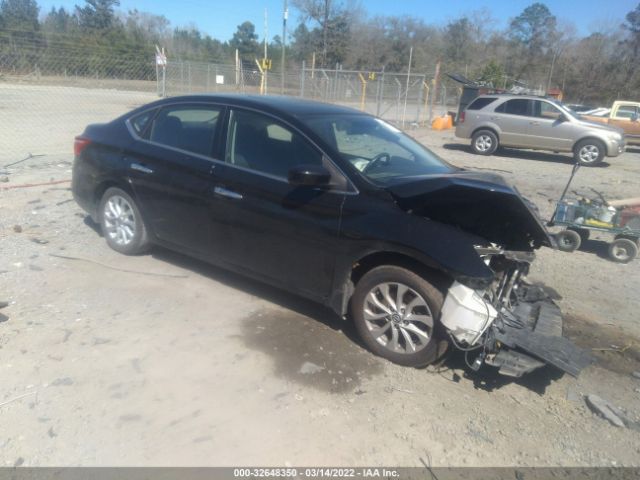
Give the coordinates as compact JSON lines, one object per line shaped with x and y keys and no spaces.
{"x":223,"y":192}
{"x":140,"y":168}
{"x":534,"y":123}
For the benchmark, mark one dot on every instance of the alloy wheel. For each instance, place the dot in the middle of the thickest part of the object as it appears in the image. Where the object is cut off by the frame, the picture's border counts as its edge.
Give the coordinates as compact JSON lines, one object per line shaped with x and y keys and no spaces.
{"x":398,"y":318}
{"x":589,"y":153}
{"x":484,"y":143}
{"x":119,"y":220}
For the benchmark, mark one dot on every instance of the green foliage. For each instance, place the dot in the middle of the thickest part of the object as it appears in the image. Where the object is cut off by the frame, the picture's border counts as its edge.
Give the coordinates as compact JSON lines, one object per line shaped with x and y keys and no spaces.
{"x":245,"y":40}
{"x":534,"y":27}
{"x":97,"y":14}
{"x":493,"y":74}
{"x":19,"y":15}
{"x":458,"y":37}
{"x":94,"y":39}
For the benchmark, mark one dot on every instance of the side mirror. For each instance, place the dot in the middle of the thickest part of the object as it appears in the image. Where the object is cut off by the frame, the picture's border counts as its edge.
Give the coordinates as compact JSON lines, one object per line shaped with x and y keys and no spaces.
{"x":634,"y":117}
{"x":309,"y":176}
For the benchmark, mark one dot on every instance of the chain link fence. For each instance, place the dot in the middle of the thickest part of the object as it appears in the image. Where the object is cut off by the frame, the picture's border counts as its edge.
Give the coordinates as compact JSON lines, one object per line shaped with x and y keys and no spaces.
{"x":46,"y":100}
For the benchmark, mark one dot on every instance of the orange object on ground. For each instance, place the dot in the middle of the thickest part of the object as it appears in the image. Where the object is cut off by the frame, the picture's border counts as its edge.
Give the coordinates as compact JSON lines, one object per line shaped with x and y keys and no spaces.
{"x":442,"y":123}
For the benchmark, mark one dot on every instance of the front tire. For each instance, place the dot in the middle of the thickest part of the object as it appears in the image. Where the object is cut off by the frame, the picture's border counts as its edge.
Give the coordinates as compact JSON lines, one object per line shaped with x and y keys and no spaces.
{"x":484,"y":142}
{"x":589,"y":152}
{"x":122,"y":224}
{"x":397,"y":314}
{"x":568,"y":240}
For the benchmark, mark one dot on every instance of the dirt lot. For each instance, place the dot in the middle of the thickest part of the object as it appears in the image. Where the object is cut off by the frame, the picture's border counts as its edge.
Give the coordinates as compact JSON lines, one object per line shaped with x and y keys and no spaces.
{"x":161,"y":360}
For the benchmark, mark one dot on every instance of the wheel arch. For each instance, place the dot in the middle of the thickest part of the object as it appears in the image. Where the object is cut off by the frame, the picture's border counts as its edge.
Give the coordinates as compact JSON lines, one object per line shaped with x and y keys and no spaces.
{"x":491,"y":128}
{"x":592,"y":138}
{"x":102,"y":187}
{"x":367,"y":262}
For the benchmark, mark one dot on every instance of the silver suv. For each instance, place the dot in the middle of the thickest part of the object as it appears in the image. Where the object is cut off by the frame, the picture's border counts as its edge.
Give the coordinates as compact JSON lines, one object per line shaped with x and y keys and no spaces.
{"x":537,"y":123}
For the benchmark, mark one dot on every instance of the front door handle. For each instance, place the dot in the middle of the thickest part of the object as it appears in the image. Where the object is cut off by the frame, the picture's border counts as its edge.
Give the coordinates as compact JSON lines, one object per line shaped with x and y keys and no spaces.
{"x":140,"y":168}
{"x":534,"y":123}
{"x":223,"y":192}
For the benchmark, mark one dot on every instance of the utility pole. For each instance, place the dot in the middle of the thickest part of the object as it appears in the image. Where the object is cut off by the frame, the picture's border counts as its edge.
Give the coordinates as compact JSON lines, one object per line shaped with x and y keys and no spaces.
{"x":266,"y":33}
{"x":327,"y":6}
{"x":406,"y":92}
{"x":285,"y":14}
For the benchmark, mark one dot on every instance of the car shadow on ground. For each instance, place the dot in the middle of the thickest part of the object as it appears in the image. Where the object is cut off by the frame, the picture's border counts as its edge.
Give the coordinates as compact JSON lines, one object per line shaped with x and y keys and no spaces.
{"x":523,"y":154}
{"x":282,"y":298}
{"x":488,"y":378}
{"x":633,"y":149}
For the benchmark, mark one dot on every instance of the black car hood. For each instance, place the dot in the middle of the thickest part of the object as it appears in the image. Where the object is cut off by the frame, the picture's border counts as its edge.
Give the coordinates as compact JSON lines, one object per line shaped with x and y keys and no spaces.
{"x":479,"y":203}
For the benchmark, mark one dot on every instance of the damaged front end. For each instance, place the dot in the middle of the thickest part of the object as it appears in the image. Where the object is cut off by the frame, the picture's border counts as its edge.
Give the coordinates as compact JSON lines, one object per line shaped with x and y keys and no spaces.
{"x":512,"y":325}
{"x":502,"y":319}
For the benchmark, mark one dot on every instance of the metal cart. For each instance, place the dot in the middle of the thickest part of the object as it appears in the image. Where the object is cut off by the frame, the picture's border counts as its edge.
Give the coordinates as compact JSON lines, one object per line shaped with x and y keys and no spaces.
{"x":581,"y":215}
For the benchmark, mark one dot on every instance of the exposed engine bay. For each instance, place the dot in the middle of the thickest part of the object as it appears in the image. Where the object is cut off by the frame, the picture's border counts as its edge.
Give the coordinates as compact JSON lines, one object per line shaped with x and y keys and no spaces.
{"x":511,"y":325}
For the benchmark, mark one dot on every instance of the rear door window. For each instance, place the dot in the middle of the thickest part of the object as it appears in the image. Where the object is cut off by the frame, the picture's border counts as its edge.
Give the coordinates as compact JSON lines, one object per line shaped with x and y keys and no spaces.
{"x":187,"y":127}
{"x":481,"y":102}
{"x":516,"y":106}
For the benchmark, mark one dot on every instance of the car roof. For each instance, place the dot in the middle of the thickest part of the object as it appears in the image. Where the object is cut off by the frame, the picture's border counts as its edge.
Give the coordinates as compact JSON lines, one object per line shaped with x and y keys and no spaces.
{"x":277,"y":104}
{"x":509,"y":96}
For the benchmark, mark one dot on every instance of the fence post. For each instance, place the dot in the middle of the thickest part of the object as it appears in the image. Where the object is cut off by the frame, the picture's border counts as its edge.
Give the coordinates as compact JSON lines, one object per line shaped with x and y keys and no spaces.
{"x":425,"y":84}
{"x":364,"y":91}
{"x":164,"y":80}
{"x":433,"y":94}
{"x":444,"y":98}
{"x":399,"y":99}
{"x":189,"y":75}
{"x":381,"y":95}
{"x":421,"y":82}
{"x":302,"y":80}
{"x":181,"y":76}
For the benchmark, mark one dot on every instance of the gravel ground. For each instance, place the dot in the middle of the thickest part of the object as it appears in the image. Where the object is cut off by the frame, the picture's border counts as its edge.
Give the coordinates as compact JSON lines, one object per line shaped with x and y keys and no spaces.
{"x":162,"y":360}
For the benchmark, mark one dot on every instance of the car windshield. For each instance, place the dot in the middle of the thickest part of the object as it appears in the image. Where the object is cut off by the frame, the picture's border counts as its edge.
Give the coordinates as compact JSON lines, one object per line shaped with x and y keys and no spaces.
{"x":379,"y":151}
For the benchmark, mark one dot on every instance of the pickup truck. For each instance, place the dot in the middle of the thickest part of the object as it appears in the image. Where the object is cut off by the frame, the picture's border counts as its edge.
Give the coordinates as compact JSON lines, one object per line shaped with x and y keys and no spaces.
{"x":623,"y":115}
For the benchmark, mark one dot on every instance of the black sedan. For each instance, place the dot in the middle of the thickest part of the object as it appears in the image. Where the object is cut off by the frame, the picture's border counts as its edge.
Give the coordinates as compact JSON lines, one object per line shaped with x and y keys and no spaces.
{"x":328,"y":203}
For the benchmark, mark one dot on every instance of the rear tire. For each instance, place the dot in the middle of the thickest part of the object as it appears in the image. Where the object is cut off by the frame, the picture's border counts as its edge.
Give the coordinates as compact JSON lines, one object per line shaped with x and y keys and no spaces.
{"x":122,"y":224}
{"x":589,"y":152}
{"x":397,"y":315}
{"x":623,"y":250}
{"x":568,"y":240}
{"x":484,"y":142}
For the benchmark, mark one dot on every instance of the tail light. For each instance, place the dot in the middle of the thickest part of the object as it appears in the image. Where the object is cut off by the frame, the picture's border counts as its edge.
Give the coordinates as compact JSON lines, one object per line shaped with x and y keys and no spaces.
{"x":79,"y":144}
{"x":461,"y":119}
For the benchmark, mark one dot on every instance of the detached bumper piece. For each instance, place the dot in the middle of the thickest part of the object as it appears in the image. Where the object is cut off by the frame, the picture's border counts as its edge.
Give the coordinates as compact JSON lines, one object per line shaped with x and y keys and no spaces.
{"x":534,"y":337}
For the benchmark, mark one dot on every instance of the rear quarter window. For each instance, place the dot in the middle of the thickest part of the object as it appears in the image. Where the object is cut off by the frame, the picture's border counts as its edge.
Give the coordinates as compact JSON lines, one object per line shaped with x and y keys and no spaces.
{"x":139,"y":123}
{"x":482,"y":102}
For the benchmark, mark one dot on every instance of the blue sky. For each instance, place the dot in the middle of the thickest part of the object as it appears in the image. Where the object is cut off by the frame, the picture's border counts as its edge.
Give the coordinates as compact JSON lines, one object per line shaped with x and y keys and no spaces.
{"x":220,"y":18}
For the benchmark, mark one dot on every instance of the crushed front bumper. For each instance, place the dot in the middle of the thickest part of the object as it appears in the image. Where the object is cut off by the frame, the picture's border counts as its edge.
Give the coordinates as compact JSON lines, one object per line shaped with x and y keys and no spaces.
{"x":512,"y":325}
{"x":521,"y":350}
